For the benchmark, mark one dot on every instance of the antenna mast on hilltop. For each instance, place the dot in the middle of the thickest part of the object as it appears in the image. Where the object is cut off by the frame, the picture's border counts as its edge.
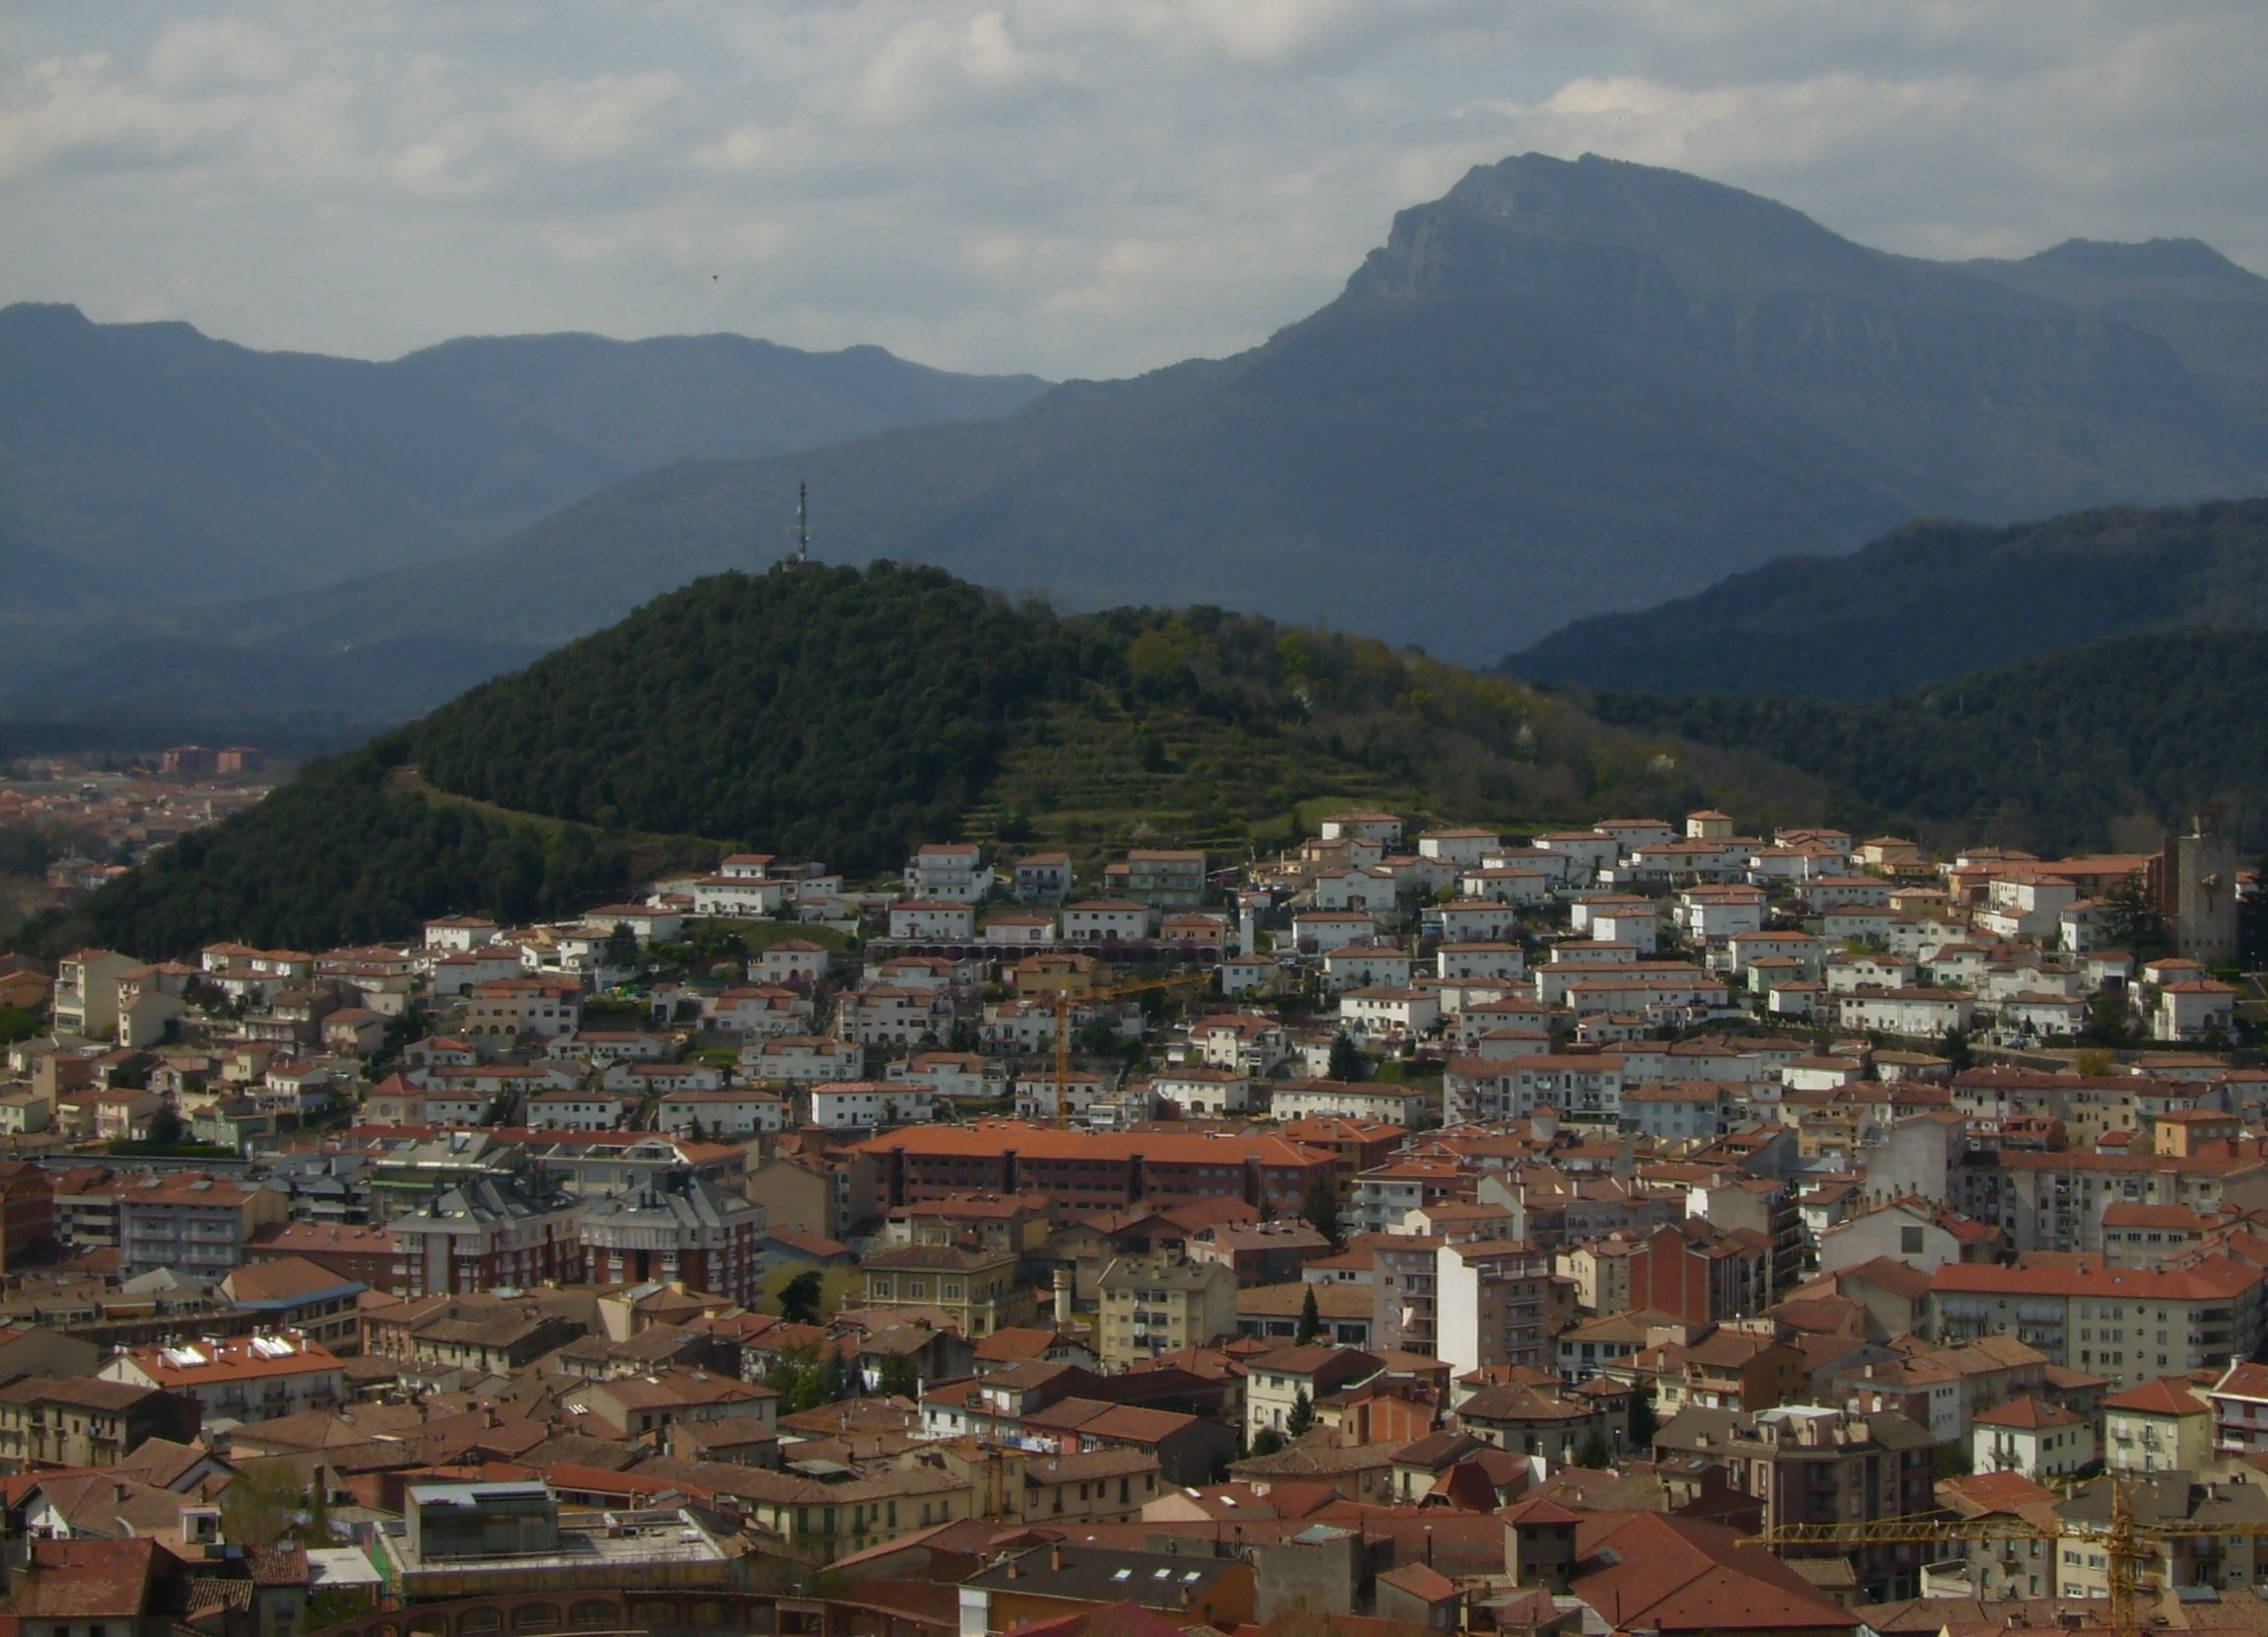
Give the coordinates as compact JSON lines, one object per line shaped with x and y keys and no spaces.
{"x":802,"y":522}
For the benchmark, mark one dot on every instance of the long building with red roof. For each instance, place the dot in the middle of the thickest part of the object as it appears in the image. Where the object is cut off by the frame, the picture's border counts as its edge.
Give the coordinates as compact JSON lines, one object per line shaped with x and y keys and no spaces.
{"x":1092,"y":1169}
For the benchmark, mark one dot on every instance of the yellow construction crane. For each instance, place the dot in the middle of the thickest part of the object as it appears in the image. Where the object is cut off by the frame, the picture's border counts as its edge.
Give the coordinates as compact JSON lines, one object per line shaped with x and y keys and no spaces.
{"x":1065,"y":999}
{"x":2128,"y":1546}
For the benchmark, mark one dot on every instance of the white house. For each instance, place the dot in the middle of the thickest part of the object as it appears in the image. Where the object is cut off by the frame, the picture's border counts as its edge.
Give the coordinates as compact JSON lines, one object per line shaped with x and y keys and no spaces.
{"x":842,"y":1104}
{"x":737,"y":1111}
{"x":1911,"y":1012}
{"x":1381,"y":1013}
{"x":1478,"y":921}
{"x":1105,"y":921}
{"x":1369,"y":964}
{"x":1464,"y":845}
{"x":1204,"y":1092}
{"x":802,"y":1059}
{"x":1484,"y":958}
{"x":949,"y":870}
{"x":2191,"y":1010}
{"x":790,"y":961}
{"x":1320,"y":931}
{"x":2032,"y":1437}
{"x":932,"y":920}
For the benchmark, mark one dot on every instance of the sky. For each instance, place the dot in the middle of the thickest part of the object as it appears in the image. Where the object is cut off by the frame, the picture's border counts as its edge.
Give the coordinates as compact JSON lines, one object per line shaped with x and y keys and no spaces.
{"x":1070,"y":187}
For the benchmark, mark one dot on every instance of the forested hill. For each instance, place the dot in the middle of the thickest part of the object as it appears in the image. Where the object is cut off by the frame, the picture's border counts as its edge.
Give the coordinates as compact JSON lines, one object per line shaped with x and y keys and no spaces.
{"x":2108,"y":743}
{"x":846,"y":715}
{"x":1931,"y":601}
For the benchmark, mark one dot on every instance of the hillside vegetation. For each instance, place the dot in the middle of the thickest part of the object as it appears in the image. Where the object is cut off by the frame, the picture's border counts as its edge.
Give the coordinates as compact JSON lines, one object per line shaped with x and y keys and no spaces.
{"x":1932,"y":601}
{"x":847,"y":715}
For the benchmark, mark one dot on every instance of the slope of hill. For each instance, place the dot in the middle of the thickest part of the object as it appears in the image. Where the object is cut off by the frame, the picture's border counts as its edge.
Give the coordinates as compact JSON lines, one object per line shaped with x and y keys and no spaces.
{"x":847,"y":715}
{"x":203,"y":470}
{"x":2108,"y":743}
{"x":1931,"y":601}
{"x":1563,"y":387}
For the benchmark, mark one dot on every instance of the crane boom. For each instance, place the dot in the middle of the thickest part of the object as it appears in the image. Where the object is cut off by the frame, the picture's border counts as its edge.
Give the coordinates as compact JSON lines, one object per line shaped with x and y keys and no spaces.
{"x":1063,"y":1000}
{"x":2128,"y":1546}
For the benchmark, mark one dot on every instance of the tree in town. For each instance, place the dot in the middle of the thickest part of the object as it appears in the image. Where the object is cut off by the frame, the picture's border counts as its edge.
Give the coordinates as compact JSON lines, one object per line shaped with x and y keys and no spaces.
{"x":1321,"y":1207}
{"x":1346,"y":1062}
{"x":1310,"y":1318}
{"x":901,"y":1377}
{"x":1301,"y":1416}
{"x":800,"y":1298}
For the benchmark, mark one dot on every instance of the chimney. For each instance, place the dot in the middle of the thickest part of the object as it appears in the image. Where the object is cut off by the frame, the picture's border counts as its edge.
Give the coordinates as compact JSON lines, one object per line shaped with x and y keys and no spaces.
{"x":1055,"y":1557}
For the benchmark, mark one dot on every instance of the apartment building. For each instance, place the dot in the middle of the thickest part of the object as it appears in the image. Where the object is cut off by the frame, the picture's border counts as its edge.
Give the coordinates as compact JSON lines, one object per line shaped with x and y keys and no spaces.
{"x":253,"y":1378}
{"x":1152,"y":1305}
{"x":1492,"y":1305}
{"x":1811,"y":1465}
{"x":2130,"y":1325}
{"x":194,"y":1224}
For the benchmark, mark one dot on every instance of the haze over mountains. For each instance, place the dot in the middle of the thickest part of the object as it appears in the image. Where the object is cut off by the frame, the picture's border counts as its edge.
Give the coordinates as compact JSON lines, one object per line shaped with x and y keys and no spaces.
{"x":1565,"y":388}
{"x":147,"y":464}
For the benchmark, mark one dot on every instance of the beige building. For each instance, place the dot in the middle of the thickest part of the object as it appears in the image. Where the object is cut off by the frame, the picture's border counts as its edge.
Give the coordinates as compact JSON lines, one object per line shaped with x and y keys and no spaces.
{"x":1152,"y":1304}
{"x":976,"y":1286}
{"x":2160,"y":1426}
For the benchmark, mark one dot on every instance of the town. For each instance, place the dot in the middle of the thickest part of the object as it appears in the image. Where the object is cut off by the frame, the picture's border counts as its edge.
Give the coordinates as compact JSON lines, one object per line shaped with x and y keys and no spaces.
{"x":1643,"y":1227}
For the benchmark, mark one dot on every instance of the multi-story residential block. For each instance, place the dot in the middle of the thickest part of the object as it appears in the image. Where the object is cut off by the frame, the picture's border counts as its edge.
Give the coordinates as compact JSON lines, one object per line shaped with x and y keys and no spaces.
{"x":2047,"y":1199}
{"x":195,"y":1224}
{"x":1276,"y":1382}
{"x":2129,"y":1324}
{"x":1163,"y":879}
{"x":477,"y":1233}
{"x":682,"y":1228}
{"x":254,"y":1378}
{"x":2161,"y":1426}
{"x":2239,"y":1405}
{"x":1152,"y":1305}
{"x":949,"y":871}
{"x":1492,"y":1305}
{"x":1808,"y":1464}
{"x":86,"y":1422}
{"x":509,"y":1008}
{"x":2041,"y":1440}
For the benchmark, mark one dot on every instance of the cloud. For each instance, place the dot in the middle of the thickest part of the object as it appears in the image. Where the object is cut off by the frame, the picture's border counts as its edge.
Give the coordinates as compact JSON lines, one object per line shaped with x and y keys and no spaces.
{"x":1073,"y":186}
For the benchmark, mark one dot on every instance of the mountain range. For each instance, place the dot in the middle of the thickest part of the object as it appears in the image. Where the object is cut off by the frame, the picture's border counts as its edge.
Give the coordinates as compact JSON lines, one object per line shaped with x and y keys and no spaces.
{"x":1563,"y":389}
{"x":1931,"y":601}
{"x":146,"y":467}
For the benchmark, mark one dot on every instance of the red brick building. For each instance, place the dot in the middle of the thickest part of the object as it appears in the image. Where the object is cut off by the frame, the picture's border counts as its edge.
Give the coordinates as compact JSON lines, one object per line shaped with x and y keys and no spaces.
{"x":1698,"y":1273}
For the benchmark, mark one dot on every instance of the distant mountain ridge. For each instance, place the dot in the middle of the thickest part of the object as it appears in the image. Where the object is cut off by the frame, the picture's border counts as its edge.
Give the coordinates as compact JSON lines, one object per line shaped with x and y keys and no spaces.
{"x":1563,"y":387}
{"x":1934,"y":599}
{"x":180,"y":470}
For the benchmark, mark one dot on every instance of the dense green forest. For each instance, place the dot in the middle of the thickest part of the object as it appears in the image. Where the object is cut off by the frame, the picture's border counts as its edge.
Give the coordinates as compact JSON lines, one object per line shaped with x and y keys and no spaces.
{"x":1925,"y":602}
{"x":846,"y":715}
{"x":341,"y":854}
{"x":2105,"y":743}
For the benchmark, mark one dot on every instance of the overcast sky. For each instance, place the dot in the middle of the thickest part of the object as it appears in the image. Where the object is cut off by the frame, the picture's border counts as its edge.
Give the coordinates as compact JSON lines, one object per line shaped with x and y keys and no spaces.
{"x":1066,"y":186}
